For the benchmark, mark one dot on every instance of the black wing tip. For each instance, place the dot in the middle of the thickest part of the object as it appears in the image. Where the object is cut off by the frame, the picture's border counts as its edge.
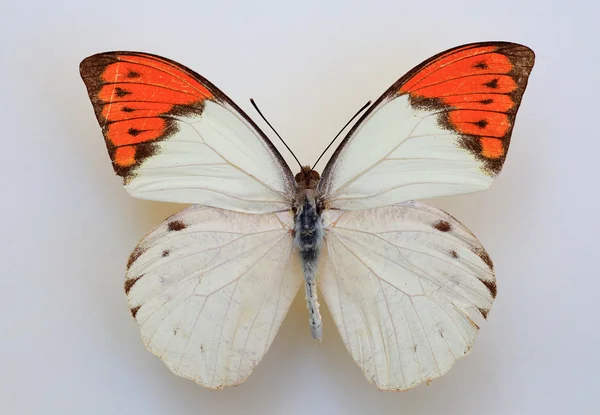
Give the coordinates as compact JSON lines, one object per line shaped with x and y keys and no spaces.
{"x":101,"y":59}
{"x":497,"y":43}
{"x":88,"y":64}
{"x":524,"y":54}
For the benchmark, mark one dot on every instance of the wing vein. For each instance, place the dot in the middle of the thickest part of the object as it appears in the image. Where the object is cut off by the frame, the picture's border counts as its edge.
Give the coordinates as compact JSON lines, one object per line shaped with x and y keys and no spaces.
{"x":365,"y":326}
{"x":387,"y":304}
{"x":364,"y":171}
{"x":234,"y":165}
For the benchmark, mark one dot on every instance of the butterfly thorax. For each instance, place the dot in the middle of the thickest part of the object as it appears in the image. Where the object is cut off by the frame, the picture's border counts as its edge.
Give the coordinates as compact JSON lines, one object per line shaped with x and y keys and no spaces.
{"x":309,"y":238}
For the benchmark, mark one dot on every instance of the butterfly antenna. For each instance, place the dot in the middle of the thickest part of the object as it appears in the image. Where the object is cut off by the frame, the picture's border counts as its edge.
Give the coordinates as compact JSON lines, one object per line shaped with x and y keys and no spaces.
{"x":269,"y":124}
{"x":338,"y":134}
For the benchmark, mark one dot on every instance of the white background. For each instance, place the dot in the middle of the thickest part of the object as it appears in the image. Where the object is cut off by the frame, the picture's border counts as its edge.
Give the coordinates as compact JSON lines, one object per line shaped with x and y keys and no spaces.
{"x":68,"y":344}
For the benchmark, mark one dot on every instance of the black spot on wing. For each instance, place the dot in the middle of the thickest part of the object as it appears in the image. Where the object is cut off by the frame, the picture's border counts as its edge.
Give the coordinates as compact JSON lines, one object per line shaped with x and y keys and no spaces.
{"x":166,"y":253}
{"x":453,"y":254}
{"x":442,"y":226}
{"x":481,"y":123}
{"x":484,"y":312}
{"x":176,"y":225}
{"x":481,"y":65}
{"x":135,"y":255}
{"x":120,"y":92}
{"x":133,"y":131}
{"x":130,"y":282}
{"x":492,"y":84}
{"x":491,"y":286}
{"x":485,"y":257}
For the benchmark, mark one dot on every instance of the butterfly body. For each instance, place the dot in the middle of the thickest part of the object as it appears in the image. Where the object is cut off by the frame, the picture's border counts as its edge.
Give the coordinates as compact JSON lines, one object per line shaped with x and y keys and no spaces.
{"x":210,"y":286}
{"x":308,"y":237}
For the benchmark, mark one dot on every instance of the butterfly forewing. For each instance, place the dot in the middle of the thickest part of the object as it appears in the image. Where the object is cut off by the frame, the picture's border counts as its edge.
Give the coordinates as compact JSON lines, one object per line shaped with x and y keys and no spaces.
{"x":173,"y":136}
{"x":442,"y":129}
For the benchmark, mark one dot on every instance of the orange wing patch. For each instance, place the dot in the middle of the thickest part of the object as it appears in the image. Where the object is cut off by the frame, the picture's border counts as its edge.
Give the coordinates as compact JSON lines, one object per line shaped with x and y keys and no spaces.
{"x":135,"y":96}
{"x":477,"y":90}
{"x":125,"y":156}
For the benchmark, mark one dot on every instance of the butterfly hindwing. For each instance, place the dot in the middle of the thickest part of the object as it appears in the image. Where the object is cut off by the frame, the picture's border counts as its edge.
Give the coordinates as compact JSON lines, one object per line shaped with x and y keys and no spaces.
{"x":400,"y":282}
{"x":210,"y":288}
{"x":444,"y":128}
{"x":173,"y":136}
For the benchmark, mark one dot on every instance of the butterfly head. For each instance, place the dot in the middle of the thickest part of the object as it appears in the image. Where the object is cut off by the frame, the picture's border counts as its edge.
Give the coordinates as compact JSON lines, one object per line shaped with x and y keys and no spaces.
{"x":307,"y":193}
{"x":307,"y":178}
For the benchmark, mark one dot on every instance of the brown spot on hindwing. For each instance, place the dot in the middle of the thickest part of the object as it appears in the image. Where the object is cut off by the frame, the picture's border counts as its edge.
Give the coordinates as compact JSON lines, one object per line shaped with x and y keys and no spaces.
{"x":137,"y":252}
{"x":484,"y":312}
{"x":129,"y":283}
{"x":491,"y":286}
{"x":166,"y":253}
{"x":453,"y":254}
{"x":481,"y":253}
{"x":176,"y":225}
{"x":135,"y":310}
{"x":442,"y":226}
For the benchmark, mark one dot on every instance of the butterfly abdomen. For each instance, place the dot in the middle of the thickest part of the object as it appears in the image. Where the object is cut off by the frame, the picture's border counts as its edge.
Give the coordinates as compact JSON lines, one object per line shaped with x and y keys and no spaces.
{"x":309,"y":238}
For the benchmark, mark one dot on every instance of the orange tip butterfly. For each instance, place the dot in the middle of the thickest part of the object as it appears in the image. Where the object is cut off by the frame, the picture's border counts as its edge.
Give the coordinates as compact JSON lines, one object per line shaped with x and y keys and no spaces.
{"x":210,"y":286}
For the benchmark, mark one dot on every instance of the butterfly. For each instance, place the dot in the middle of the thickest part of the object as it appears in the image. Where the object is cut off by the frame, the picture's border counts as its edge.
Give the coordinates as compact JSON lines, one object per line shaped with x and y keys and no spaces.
{"x":211,"y":285}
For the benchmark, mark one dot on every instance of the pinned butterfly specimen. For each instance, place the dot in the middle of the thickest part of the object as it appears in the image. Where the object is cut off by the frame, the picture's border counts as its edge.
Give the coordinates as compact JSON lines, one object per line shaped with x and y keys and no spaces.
{"x":211,"y":285}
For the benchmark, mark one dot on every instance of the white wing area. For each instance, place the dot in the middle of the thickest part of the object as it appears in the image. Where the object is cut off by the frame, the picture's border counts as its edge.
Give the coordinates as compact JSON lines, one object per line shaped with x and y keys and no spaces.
{"x":399,"y":282}
{"x":399,"y":153}
{"x":215,"y":159}
{"x":210,"y":288}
